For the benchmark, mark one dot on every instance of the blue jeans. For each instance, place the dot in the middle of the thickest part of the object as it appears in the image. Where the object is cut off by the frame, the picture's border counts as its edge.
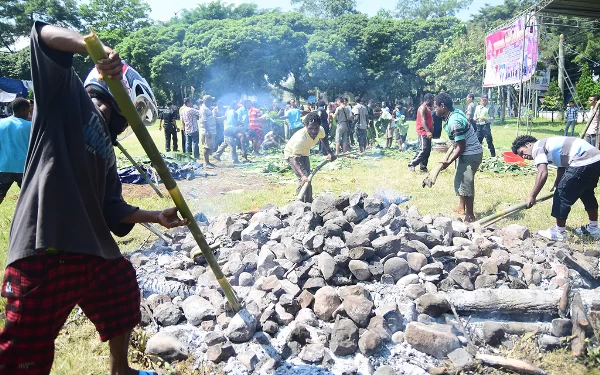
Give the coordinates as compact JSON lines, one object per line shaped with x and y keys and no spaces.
{"x":191,"y":141}
{"x":570,"y":123}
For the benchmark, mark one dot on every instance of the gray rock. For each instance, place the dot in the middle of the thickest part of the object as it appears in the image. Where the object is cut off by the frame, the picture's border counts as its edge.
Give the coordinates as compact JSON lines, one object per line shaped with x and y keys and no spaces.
{"x":214,"y":338}
{"x":398,"y":337}
{"x":270,"y":327}
{"x":486,"y":281}
{"x":289,"y":304}
{"x":432,"y":304}
{"x":327,"y":265}
{"x":167,"y":314}
{"x":250,"y":261}
{"x":372,"y":206}
{"x":314,"y":283}
{"x":361,"y":253}
{"x":248,"y":359}
{"x":196,"y":309}
{"x":323,"y":204}
{"x":334,"y":245}
{"x":251,"y":232}
{"x":166,"y":346}
{"x":138,"y":259}
{"x":489,"y":267}
{"x":312,"y":353}
{"x":283,"y":317}
{"x":396,"y":267}
{"x":359,"y":309}
{"x":416,"y":224}
{"x":464,"y":256}
{"x":416,"y":261}
{"x":220,"y":352}
{"x":266,"y":261}
{"x":154,"y":300}
{"x":376,"y":269}
{"x":430,"y":339}
{"x":492,"y":333}
{"x":414,"y":291}
{"x":516,"y":231}
{"x":461,"y":358}
{"x":435,"y":268}
{"x":355,"y":214}
{"x":326,"y":302}
{"x":344,"y":338}
{"x":360,"y":236}
{"x":294,"y":252}
{"x":386,"y":245}
{"x":307,"y":317}
{"x":408,"y":279}
{"x":502,"y":258}
{"x":428,"y":239}
{"x":547,"y":342}
{"x":245,"y":279}
{"x":305,"y":299}
{"x":369,"y":343}
{"x":360,"y":270}
{"x":561,"y":327}
{"x":385,"y":370}
{"x":242,"y":327}
{"x":464,"y":274}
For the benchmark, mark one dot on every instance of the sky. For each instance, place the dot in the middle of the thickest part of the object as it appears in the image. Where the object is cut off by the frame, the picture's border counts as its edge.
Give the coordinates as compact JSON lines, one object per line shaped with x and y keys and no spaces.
{"x":164,"y":10}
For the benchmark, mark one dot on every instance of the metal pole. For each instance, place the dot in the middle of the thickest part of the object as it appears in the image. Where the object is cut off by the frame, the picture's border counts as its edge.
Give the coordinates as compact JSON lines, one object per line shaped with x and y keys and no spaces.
{"x":521,"y":73}
{"x":561,"y":71}
{"x":139,"y":169}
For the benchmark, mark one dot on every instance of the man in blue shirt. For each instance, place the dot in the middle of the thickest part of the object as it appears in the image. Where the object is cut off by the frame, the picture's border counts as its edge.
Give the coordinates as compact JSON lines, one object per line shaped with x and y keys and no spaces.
{"x":294,"y":118}
{"x":14,"y":138}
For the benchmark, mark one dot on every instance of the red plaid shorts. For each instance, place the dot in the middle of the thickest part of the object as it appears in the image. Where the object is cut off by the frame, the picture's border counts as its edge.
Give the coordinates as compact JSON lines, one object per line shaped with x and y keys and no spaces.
{"x":42,"y":290}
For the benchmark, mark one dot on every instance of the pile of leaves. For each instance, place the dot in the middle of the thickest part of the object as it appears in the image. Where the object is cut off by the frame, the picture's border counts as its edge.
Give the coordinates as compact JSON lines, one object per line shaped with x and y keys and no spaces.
{"x":497,"y":165}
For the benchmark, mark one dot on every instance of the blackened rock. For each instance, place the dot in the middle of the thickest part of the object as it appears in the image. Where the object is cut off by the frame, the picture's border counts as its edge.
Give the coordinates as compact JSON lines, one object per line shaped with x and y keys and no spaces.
{"x":369,"y":343}
{"x":361,"y":253}
{"x":427,"y":239}
{"x":360,"y":236}
{"x":344,"y":339}
{"x":167,"y":314}
{"x":561,"y":327}
{"x":372,"y":206}
{"x":486,"y":281}
{"x":376,"y":269}
{"x":359,"y":309}
{"x":355,"y":214}
{"x":360,"y":270}
{"x":386,"y":245}
{"x":312,"y":353}
{"x":220,"y":352}
{"x":432,"y":304}
{"x":493,"y":333}
{"x":431,"y":339}
{"x":323,"y":204}
{"x":464,"y":274}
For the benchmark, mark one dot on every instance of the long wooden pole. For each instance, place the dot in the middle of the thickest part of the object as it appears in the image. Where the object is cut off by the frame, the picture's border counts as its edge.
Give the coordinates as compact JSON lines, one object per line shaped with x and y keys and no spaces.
{"x":596,"y":107}
{"x":96,"y":52}
{"x":511,"y":210}
{"x":139,"y":169}
{"x":314,"y":172}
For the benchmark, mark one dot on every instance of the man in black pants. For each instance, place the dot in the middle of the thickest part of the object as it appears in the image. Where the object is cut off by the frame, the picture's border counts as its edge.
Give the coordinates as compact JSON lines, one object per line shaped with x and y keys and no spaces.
{"x":169,"y":117}
{"x":425,"y":133}
{"x":483,"y":118}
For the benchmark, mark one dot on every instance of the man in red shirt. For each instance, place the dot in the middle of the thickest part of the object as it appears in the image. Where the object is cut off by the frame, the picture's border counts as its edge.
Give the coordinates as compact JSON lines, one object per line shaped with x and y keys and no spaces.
{"x":424,"y":131}
{"x":255,"y":127}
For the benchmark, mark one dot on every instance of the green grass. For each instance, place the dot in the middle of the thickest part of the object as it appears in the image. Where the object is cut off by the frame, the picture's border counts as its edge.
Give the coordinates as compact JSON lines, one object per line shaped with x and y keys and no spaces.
{"x":78,"y":349}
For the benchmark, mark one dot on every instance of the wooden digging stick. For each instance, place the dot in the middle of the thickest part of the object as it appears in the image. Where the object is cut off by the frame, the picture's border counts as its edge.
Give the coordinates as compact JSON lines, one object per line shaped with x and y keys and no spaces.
{"x":510,"y":364}
{"x":314,"y":171}
{"x":489,"y":220}
{"x":429,"y":181}
{"x":97,"y":52}
{"x":596,"y":108}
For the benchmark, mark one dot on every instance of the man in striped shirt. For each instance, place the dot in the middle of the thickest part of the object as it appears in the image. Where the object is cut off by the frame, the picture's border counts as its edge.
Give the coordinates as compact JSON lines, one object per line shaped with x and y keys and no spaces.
{"x":571,"y":114}
{"x":578,"y":165}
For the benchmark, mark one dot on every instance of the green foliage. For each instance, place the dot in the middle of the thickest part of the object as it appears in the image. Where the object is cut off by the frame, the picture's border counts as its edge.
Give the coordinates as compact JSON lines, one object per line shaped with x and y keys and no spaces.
{"x":497,"y":165}
{"x":15,"y":65}
{"x":326,"y":8}
{"x":553,"y":101}
{"x":586,"y":86}
{"x":426,"y":9}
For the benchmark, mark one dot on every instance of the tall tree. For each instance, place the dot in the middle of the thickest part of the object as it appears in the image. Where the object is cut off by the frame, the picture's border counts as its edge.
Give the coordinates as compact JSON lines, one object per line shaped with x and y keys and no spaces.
{"x":17,"y":17}
{"x":586,"y":86}
{"x":326,"y":8}
{"x":553,"y":100}
{"x":426,"y":9}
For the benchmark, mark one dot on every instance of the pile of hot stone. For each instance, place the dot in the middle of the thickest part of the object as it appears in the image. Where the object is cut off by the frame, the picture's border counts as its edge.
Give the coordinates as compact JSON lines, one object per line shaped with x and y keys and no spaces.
{"x":350,"y":285}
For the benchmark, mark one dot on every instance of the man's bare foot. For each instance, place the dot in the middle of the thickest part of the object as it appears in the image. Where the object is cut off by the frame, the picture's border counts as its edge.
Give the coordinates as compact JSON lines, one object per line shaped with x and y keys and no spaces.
{"x":459,"y":210}
{"x":469,"y":218}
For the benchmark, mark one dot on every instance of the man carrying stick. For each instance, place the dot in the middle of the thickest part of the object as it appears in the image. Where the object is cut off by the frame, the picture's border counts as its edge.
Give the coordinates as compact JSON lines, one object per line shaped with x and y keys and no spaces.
{"x":61,"y":252}
{"x":297,"y":151}
{"x":578,"y":165}
{"x":467,"y":151}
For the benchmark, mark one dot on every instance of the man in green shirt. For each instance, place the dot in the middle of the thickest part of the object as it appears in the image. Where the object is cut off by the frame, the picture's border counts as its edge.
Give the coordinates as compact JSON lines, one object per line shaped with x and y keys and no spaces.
{"x":483,"y":119}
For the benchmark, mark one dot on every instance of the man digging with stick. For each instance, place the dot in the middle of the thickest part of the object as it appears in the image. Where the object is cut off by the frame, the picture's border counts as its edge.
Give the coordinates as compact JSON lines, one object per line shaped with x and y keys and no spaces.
{"x":578,"y":172}
{"x":61,"y":252}
{"x":467,"y":151}
{"x":297,"y":151}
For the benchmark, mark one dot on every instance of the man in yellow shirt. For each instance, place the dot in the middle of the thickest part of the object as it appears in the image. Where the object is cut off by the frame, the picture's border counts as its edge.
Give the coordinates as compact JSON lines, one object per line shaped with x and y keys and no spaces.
{"x":297,"y":150}
{"x":483,"y":119}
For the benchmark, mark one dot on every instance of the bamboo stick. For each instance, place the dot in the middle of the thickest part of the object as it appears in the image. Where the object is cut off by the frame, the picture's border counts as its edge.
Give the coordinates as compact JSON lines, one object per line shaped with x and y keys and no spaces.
{"x":160,"y":234}
{"x":314,"y":171}
{"x":596,"y":108}
{"x":435,"y":171}
{"x":140,"y":170}
{"x":96,"y":52}
{"x":511,"y":364}
{"x":512,"y":209}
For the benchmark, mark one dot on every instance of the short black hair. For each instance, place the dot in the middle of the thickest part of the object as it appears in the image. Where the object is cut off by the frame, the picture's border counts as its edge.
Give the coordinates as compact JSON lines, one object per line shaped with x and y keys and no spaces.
{"x":312,"y":117}
{"x":572,"y":101}
{"x":169,"y":104}
{"x":321,"y":103}
{"x":596,"y":97}
{"x":427,"y":97}
{"x":20,"y":105}
{"x":521,"y":141}
{"x":472,"y":96}
{"x":445,"y":99}
{"x":187,"y":100}
{"x":358,"y":100}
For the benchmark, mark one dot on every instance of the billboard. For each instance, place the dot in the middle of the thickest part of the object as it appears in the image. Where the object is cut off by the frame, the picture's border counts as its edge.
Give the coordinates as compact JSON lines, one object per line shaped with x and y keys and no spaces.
{"x":504,"y":51}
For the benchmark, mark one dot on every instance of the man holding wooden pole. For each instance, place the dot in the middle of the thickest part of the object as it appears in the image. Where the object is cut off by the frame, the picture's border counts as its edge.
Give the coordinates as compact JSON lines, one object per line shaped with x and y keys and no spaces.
{"x":61,"y":250}
{"x":578,"y":165}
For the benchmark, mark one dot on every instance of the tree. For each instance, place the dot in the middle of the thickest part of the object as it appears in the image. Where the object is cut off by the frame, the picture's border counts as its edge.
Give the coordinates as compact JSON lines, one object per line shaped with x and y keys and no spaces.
{"x":586,"y":86}
{"x":553,"y":100}
{"x":426,"y":9}
{"x":15,"y":65}
{"x":326,"y":8}
{"x":17,"y":17}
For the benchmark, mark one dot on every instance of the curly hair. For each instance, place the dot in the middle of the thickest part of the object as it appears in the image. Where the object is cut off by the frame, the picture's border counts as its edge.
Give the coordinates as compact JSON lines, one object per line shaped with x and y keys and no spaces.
{"x":445,"y":99}
{"x":312,"y":117}
{"x":521,"y":141}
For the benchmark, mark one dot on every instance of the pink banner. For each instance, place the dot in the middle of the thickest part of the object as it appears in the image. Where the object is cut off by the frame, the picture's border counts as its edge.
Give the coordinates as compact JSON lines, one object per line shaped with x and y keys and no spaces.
{"x":504,"y":51}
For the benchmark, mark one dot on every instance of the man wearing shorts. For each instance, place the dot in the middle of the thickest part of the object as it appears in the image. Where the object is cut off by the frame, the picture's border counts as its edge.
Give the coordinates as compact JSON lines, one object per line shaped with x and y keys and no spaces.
{"x":342,"y":117}
{"x":577,"y":176}
{"x":14,"y":140}
{"x":467,"y":151}
{"x":61,"y":251}
{"x":207,"y":129}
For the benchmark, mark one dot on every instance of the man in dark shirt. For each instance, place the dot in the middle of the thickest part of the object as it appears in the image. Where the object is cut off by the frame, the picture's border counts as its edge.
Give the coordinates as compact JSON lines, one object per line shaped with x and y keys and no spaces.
{"x":61,"y":252}
{"x":169,"y":117}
